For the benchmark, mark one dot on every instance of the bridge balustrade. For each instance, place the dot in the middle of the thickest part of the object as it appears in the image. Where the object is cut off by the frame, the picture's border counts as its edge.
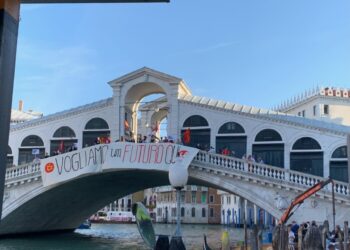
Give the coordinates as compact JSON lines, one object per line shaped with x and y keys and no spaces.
{"x":22,"y":171}
{"x":213,"y":161}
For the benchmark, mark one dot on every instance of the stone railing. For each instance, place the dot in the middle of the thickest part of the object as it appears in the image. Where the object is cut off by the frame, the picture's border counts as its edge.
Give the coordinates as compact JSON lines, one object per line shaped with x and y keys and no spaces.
{"x":266,"y":171}
{"x":22,"y":171}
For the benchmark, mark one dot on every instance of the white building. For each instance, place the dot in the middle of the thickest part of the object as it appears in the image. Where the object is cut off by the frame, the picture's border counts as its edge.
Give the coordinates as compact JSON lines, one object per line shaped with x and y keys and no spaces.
{"x":326,"y":103}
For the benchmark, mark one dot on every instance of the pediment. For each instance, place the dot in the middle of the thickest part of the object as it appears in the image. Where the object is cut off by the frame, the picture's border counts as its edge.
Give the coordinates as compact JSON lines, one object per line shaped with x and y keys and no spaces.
{"x":146,"y":74}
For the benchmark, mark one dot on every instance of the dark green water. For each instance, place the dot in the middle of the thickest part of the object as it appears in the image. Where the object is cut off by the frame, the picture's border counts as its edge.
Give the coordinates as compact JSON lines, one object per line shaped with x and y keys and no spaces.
{"x":118,"y":236}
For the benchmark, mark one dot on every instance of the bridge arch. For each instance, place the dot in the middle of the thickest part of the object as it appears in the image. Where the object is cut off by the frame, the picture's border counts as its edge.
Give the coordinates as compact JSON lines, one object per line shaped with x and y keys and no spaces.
{"x":63,"y":139}
{"x":307,"y":156}
{"x":132,"y":95}
{"x":200,"y":131}
{"x":232,"y":136}
{"x":269,"y":147}
{"x":338,"y":164}
{"x":25,"y":152}
{"x":94,"y":128}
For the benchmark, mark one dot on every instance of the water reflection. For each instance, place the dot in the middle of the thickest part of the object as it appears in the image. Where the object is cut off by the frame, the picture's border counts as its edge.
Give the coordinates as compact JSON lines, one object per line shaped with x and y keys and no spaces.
{"x":118,"y":237}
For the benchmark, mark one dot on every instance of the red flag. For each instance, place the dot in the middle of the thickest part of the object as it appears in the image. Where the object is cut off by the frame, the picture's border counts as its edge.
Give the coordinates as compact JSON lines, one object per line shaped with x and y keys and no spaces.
{"x":61,"y":147}
{"x":155,"y":127}
{"x":126,"y":125}
{"x":187,"y":136}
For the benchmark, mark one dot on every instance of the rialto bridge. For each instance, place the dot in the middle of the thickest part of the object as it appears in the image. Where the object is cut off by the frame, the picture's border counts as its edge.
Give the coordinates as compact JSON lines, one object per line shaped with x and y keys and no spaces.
{"x":293,"y":151}
{"x":61,"y":191}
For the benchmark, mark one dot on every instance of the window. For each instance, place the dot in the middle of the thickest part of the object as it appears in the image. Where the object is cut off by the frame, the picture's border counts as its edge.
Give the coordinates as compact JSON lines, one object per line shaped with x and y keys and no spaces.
{"x":235,"y":199}
{"x":231,"y":128}
{"x":211,"y":212}
{"x":306,"y":143}
{"x":306,"y":156}
{"x":269,"y":148}
{"x":314,"y":110}
{"x":159,"y":211}
{"x":196,"y":121}
{"x":96,"y":123}
{"x":94,"y":128}
{"x":228,"y":198}
{"x":203,"y":212}
{"x":303,"y":113}
{"x":182,"y":198}
{"x":182,"y":212}
{"x":211,"y":198}
{"x":173,"y":212}
{"x":193,"y":196}
{"x":204,"y":197}
{"x":64,"y":132}
{"x":299,"y":113}
{"x":339,"y":164}
{"x":326,"y":109}
{"x":193,"y":212}
{"x":32,"y":141}
{"x":268,"y":135}
{"x":29,"y":143}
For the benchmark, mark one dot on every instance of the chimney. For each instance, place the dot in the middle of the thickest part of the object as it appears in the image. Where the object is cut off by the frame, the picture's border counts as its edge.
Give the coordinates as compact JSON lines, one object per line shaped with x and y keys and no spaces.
{"x":20,"y":105}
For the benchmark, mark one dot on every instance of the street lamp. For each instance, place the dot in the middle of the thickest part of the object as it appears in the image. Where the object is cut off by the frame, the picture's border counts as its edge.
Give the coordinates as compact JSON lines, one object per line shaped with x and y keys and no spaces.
{"x":178,"y":177}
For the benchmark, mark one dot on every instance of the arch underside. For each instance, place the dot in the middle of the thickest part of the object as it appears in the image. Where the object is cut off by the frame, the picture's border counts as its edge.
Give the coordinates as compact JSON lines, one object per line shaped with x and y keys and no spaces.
{"x":64,"y":207}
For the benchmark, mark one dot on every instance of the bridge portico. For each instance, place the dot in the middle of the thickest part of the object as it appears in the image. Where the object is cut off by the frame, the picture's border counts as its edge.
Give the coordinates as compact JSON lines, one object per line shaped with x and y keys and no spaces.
{"x":130,"y":89}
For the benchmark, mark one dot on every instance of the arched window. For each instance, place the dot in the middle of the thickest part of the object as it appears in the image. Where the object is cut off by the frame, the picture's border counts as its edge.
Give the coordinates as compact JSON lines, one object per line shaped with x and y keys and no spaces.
{"x":64,"y":132}
{"x":231,"y":128}
{"x":96,"y":123}
{"x":94,"y":129}
{"x":204,"y":212}
{"x":339,"y":164}
{"x":63,"y":141}
{"x":307,"y":157}
{"x":32,"y":146}
{"x":193,"y":212}
{"x":197,"y":132}
{"x":268,"y":148}
{"x":268,"y":135}
{"x":306,"y":143}
{"x":231,"y":136}
{"x":9,"y":162}
{"x":32,"y":140}
{"x":182,"y":212}
{"x":196,"y":121}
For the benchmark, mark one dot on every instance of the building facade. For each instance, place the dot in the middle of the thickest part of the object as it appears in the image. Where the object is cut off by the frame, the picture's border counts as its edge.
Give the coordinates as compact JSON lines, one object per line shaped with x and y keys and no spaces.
{"x":198,"y":205}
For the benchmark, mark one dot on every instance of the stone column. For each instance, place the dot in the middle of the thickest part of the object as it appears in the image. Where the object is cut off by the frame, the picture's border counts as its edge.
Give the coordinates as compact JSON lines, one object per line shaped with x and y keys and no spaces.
{"x":115,"y":129}
{"x":173,"y":115}
{"x":9,"y":19}
{"x":256,"y":214}
{"x":286,"y":156}
{"x":326,"y":171}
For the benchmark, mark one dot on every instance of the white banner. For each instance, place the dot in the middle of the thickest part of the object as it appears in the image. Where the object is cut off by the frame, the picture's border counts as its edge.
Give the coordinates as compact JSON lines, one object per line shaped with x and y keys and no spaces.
{"x":118,"y":155}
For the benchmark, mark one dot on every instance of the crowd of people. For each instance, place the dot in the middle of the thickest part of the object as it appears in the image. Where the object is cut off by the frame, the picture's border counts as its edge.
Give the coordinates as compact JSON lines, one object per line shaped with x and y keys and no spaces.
{"x":332,"y":237}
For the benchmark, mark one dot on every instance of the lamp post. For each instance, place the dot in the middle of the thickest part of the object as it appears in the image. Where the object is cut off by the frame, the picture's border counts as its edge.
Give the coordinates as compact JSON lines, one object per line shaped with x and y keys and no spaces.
{"x":178,"y":177}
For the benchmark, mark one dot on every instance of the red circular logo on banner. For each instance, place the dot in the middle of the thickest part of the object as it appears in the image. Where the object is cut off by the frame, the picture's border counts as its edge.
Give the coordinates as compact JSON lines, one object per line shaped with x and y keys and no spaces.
{"x":49,"y":167}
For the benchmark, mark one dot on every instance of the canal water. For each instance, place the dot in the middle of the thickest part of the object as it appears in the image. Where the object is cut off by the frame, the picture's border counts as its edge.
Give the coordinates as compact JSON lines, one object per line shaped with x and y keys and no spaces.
{"x":117,"y":237}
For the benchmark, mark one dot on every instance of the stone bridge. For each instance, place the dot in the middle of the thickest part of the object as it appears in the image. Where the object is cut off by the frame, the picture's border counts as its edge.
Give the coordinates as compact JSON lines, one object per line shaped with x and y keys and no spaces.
{"x":31,"y":205}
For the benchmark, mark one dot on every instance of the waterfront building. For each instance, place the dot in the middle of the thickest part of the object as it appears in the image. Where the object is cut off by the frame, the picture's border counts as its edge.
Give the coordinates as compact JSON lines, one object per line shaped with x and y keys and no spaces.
{"x":328,"y":104}
{"x":198,"y":205}
{"x":313,"y":145}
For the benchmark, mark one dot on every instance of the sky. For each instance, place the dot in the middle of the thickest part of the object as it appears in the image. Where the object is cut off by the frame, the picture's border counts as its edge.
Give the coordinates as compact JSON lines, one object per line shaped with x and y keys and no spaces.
{"x":250,"y":52}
